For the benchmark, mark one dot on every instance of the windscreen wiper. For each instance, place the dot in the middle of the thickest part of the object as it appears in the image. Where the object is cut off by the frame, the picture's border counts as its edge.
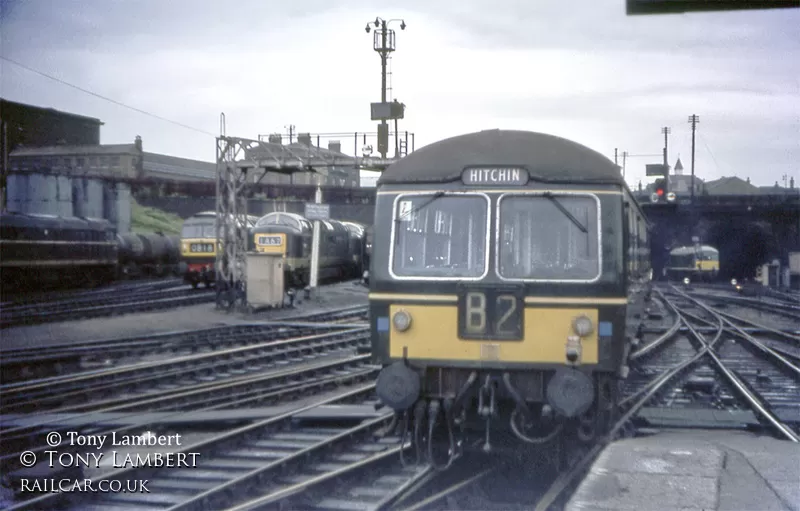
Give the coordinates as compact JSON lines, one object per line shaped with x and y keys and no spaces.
{"x":416,"y":210}
{"x":566,"y":212}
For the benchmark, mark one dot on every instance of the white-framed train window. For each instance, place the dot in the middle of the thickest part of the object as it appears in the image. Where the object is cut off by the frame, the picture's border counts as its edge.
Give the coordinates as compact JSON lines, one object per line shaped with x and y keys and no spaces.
{"x":545,"y":237}
{"x":440,"y":236}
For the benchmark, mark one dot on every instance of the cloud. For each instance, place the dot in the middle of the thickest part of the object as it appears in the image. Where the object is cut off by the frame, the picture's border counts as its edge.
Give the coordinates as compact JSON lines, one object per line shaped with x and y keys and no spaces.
{"x":581,"y":70}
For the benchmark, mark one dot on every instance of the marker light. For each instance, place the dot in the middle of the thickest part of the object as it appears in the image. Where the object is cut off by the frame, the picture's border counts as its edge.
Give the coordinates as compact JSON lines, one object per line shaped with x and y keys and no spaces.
{"x":733,"y":282}
{"x":582,"y":326}
{"x":402,"y":321}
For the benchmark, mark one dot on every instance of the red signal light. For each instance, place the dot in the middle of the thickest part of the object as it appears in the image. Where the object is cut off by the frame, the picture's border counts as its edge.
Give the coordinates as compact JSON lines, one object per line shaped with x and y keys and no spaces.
{"x":660,"y":192}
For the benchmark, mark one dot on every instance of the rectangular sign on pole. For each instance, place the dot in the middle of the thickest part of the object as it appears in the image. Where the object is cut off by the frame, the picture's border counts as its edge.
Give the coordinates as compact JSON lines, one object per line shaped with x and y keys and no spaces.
{"x":317,"y":211}
{"x":655,"y":169}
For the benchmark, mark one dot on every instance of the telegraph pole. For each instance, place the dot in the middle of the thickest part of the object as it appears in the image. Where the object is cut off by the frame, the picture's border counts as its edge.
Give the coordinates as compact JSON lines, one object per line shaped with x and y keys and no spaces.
{"x":666,"y":131}
{"x":693,"y":120}
{"x":615,"y":156}
{"x":624,"y":157}
{"x":384,"y":44}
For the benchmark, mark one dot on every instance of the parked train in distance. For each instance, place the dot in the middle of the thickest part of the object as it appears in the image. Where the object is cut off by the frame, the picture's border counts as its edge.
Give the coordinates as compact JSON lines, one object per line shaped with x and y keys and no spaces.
{"x":49,"y":251}
{"x":697,"y":263}
{"x":342,"y":247}
{"x":198,"y":253}
{"x":508,"y":278}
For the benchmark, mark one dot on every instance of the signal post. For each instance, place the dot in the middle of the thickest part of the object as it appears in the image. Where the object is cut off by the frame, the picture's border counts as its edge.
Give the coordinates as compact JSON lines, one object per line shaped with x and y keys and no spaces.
{"x":316,"y":211}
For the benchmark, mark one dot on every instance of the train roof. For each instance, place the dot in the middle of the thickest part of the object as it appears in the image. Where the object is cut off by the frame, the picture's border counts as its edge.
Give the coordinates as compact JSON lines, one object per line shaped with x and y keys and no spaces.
{"x":678,"y":251}
{"x":293,"y":220}
{"x":354,"y":228}
{"x":547,"y":158}
{"x":53,"y":222}
{"x":301,"y":223}
{"x":204,"y":216}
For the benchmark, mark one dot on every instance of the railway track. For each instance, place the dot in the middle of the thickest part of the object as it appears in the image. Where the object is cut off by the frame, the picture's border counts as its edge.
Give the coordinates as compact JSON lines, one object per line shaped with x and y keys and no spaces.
{"x":85,"y":391}
{"x":722,"y":361}
{"x":106,"y":304}
{"x":32,"y":363}
{"x":39,"y":297}
{"x":280,"y":461}
{"x":271,"y":389}
{"x":769,"y":304}
{"x":679,"y":373}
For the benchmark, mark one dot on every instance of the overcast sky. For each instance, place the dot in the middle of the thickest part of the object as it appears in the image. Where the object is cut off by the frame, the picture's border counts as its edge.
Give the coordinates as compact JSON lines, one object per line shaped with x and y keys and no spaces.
{"x":579,"y":69}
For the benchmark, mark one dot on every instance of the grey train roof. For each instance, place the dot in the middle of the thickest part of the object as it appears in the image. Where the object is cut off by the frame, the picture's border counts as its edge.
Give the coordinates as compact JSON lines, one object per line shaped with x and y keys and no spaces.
{"x":685,"y":250}
{"x":53,"y":222}
{"x":548,"y":158}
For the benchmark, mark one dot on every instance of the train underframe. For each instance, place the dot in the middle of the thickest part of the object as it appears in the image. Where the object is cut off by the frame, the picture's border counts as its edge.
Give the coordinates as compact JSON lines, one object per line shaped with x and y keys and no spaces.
{"x":133,"y":270}
{"x":301,"y":277}
{"x":456,"y":411}
{"x":36,"y":278}
{"x":694,"y":275}
{"x":199,"y":272}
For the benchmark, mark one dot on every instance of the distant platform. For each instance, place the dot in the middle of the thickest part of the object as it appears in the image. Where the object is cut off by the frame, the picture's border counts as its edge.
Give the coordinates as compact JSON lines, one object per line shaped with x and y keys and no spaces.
{"x":693,"y":471}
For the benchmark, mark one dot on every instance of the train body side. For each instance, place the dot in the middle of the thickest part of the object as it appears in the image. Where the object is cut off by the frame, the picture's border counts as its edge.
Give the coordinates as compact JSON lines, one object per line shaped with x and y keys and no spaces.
{"x":341,"y":247}
{"x":40,"y":250}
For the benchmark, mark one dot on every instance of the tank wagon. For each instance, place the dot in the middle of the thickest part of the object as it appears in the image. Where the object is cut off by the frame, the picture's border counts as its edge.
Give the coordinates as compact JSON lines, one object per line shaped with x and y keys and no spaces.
{"x":151,"y":254}
{"x":508,"y":277}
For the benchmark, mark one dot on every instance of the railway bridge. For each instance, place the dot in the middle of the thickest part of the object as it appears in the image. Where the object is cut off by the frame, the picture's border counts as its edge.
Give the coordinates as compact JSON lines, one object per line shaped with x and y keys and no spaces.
{"x":748,"y":230}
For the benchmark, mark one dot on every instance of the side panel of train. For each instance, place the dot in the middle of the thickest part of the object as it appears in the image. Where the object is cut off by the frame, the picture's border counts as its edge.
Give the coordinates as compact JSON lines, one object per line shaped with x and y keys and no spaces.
{"x":341,"y":247}
{"x":42,"y":250}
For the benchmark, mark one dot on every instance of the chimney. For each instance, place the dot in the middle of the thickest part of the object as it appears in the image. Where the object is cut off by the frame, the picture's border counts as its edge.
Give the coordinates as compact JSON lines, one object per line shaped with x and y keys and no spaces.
{"x":138,"y":143}
{"x":275,"y":138}
{"x":791,"y":182}
{"x":748,"y":180}
{"x":335,"y":145}
{"x":304,"y":138}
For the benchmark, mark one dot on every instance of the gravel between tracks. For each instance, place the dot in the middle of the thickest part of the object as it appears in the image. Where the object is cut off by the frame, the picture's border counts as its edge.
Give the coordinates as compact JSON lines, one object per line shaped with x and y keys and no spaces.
{"x":183,"y":318}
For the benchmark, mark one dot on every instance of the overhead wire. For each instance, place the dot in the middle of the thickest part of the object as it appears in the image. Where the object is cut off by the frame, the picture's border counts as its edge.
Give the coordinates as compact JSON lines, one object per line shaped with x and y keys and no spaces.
{"x":100,"y":96}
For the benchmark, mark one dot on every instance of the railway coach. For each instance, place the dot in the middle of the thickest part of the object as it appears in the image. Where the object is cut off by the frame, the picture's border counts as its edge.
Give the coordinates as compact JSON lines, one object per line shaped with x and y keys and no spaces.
{"x":508,"y":275}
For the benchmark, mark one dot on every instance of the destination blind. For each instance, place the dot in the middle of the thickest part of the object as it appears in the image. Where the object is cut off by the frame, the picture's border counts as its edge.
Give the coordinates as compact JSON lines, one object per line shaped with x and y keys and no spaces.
{"x":495,"y":176}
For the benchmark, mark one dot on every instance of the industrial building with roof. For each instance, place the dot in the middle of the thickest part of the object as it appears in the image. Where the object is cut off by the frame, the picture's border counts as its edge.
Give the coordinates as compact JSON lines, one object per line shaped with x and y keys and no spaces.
{"x":53,"y":163}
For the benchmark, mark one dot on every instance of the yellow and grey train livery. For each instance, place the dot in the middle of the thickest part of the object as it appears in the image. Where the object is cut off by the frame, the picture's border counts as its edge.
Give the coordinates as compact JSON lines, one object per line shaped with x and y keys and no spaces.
{"x":507,"y":268}
{"x":700,"y":262}
{"x":198,"y":251}
{"x":342,"y":246}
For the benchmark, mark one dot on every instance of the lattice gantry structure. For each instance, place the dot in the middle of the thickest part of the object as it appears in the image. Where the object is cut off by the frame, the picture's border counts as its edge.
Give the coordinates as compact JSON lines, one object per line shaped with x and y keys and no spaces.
{"x":241,"y":162}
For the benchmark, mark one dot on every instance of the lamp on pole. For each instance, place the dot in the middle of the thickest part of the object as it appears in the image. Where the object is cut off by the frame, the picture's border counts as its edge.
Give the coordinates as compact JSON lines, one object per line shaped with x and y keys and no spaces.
{"x":384,"y":43}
